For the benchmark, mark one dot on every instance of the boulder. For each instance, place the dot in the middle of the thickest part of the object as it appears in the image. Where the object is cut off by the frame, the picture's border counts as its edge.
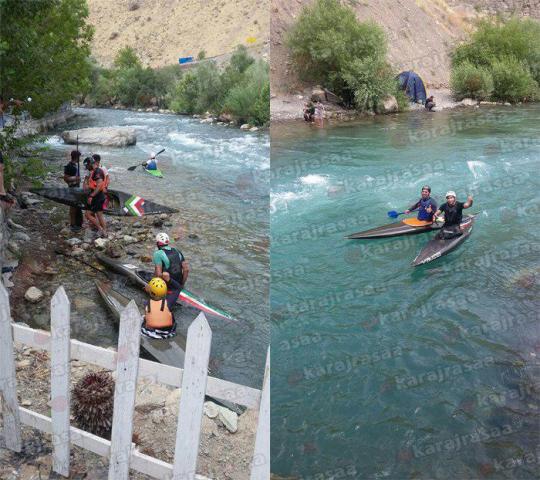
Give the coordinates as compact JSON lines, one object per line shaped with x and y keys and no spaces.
{"x":318,"y":94}
{"x":207,"y":120}
{"x":108,"y":136}
{"x":33,"y":295}
{"x":74,"y":241}
{"x":468,"y":102}
{"x":100,"y":243}
{"x":389,"y":105}
{"x":129,"y":239}
{"x":245,"y":126}
{"x":225,"y":118}
{"x":253,"y":129}
{"x":14,"y":248}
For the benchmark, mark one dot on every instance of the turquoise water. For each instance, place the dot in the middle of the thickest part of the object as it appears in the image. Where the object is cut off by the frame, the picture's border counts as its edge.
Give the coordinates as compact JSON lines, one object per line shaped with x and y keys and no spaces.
{"x":382,"y":370}
{"x":218,"y":179}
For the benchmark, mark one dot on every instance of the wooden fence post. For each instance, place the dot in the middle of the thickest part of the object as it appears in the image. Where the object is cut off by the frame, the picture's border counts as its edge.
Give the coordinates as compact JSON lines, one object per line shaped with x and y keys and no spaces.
{"x":8,"y":380}
{"x":60,"y":380}
{"x":260,"y":466}
{"x":125,"y":389}
{"x":192,"y":399}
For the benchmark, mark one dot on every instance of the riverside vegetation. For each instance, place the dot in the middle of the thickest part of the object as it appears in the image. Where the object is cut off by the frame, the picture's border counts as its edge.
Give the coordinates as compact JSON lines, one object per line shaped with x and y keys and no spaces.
{"x":500,"y":61}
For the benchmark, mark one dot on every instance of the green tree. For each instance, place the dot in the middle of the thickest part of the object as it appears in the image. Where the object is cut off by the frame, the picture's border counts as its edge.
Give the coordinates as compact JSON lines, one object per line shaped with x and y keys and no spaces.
{"x":44,"y":50}
{"x":330,"y":46}
{"x":127,"y":58}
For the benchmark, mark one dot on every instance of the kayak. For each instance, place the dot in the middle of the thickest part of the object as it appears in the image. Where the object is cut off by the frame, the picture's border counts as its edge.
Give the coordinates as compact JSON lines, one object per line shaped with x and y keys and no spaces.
{"x":171,"y":351}
{"x":119,"y":203}
{"x":156,"y":173}
{"x":405,"y":227}
{"x":142,"y":277}
{"x":438,"y":247}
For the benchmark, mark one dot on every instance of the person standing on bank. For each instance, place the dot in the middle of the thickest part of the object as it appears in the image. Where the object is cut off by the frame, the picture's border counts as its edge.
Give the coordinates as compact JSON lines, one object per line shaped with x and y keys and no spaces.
{"x":72,"y":177}
{"x":95,"y":183}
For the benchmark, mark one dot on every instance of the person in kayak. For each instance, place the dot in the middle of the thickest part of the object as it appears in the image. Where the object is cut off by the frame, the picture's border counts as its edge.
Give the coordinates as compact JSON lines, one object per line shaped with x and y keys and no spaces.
{"x":426,"y":206}
{"x":73,"y":179}
{"x":151,"y":163}
{"x":94,"y":183}
{"x":158,"y":317}
{"x":170,"y":260}
{"x":453,"y":215}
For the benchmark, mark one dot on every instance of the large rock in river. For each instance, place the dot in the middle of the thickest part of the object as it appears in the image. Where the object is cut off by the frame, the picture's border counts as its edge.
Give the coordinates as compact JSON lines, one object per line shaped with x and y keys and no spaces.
{"x":108,"y":136}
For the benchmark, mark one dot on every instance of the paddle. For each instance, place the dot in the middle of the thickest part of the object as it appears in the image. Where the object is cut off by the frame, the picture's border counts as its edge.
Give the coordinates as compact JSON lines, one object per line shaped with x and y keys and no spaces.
{"x":140,"y":164}
{"x":59,"y":251}
{"x":394,"y":214}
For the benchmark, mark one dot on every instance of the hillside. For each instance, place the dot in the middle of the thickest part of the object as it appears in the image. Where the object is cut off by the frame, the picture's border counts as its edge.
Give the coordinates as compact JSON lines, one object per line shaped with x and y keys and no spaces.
{"x":161,"y":31}
{"x":420,"y":33}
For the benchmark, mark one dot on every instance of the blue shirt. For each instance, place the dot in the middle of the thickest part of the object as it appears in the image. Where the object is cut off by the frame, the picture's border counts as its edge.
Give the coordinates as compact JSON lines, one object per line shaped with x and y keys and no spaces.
{"x":422,"y":206}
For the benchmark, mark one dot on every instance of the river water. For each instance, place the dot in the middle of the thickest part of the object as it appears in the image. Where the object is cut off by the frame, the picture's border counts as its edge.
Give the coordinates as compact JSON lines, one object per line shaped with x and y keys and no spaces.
{"x":382,"y":370}
{"x":218,"y":178}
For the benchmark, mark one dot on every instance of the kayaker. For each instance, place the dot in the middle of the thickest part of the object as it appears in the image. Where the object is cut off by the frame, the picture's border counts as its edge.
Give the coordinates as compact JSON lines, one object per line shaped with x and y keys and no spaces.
{"x":170,"y":260}
{"x":73,"y":179}
{"x":151,"y":163}
{"x":426,"y":205}
{"x":94,"y":183}
{"x":453,"y":215}
{"x":158,"y":318}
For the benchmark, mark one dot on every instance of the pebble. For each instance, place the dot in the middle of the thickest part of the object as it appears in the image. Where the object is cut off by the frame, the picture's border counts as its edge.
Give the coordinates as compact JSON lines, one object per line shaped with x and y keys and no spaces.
{"x":20,"y":236}
{"x":77,"y":252}
{"x":74,"y":241}
{"x":163,"y":216}
{"x":100,"y":242}
{"x":14,"y":248}
{"x":228,"y":418}
{"x":33,"y":295}
{"x":211,"y":410}
{"x":145,"y":258}
{"x":24,"y":363}
{"x":26,"y":403}
{"x":130,"y":239}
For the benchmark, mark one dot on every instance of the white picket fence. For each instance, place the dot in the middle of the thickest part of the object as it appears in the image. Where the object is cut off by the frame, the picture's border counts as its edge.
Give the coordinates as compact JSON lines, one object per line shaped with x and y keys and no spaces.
{"x":193,"y":381}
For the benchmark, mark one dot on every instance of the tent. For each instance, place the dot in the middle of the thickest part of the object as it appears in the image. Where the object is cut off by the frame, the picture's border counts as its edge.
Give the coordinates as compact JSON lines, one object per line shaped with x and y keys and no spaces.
{"x":413,"y":86}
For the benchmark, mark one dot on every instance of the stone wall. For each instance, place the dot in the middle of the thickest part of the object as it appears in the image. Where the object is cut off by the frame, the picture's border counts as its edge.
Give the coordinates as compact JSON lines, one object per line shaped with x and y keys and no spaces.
{"x":35,"y":126}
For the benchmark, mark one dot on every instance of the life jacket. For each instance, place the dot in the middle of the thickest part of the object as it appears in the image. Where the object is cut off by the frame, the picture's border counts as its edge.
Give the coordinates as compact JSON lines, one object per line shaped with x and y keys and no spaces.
{"x":158,"y":314}
{"x":92,"y":183}
{"x":422,"y":205}
{"x":175,"y":264}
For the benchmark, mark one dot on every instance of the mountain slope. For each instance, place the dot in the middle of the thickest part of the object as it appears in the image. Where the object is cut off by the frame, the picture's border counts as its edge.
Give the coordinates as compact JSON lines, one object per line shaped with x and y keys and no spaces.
{"x":161,"y":31}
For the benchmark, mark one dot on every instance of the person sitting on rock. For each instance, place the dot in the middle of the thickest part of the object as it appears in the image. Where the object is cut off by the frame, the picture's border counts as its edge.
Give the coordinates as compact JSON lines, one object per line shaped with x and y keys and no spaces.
{"x":309,"y":111}
{"x":158,"y":317}
{"x":430,"y":103}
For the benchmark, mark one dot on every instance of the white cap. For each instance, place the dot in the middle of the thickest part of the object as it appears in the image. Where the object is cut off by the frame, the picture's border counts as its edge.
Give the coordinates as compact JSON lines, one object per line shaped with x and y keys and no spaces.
{"x":153,"y":155}
{"x":451,"y":193}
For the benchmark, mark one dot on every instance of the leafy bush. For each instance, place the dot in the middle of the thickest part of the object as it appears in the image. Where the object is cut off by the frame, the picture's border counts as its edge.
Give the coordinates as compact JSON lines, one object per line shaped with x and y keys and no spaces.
{"x":135,"y":86}
{"x":127,"y":58}
{"x":249,"y":101}
{"x":44,"y":47}
{"x":513,"y":81}
{"x":509,"y":51}
{"x":468,"y":80}
{"x":330,"y":46}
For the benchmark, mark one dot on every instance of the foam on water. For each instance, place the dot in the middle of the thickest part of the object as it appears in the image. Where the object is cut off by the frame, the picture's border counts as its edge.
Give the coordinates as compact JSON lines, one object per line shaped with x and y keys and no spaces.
{"x":478,"y":168}
{"x":314,"y":180}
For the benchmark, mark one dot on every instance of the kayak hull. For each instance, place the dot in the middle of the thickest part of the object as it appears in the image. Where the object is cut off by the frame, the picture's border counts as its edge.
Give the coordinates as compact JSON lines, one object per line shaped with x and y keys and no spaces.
{"x":141,"y":277}
{"x":119,"y":203}
{"x":437,"y":247}
{"x":170,"y":351}
{"x":154,"y":173}
{"x":393,"y":230}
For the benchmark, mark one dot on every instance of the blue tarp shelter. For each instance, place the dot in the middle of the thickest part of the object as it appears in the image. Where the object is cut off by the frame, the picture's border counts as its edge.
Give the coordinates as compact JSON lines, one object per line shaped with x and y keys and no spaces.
{"x":413,"y":86}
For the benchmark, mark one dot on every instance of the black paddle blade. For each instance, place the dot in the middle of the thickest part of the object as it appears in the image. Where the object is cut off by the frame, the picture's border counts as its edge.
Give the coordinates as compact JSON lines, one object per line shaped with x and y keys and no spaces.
{"x":132,"y":168}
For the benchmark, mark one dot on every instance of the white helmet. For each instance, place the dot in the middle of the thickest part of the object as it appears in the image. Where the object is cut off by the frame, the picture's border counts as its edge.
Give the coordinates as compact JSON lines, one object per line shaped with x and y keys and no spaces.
{"x":162,"y":238}
{"x":153,"y":155}
{"x":451,"y":193}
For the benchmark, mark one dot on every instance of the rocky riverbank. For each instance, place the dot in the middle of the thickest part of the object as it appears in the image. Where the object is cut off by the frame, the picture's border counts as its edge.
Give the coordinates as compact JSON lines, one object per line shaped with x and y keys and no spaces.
{"x":37,"y":230}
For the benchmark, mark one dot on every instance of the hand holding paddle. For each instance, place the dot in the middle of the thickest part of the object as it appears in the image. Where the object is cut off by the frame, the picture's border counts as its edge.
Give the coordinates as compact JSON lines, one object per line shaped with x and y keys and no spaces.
{"x":140,"y":164}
